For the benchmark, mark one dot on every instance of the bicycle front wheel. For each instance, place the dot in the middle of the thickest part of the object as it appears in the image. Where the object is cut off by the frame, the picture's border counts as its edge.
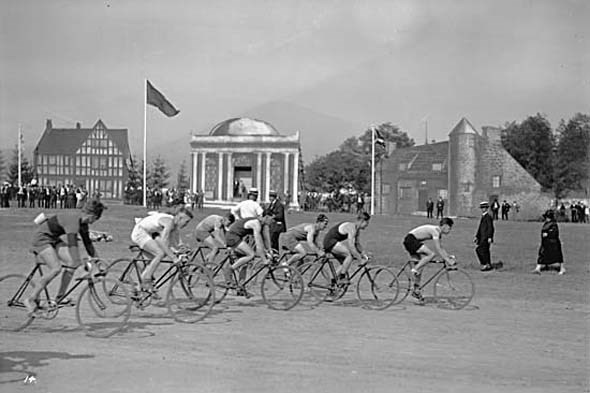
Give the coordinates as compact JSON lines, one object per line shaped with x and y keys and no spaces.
{"x":453,"y":289}
{"x":309,"y":297}
{"x":191,"y":296}
{"x":13,"y":291}
{"x":124,"y":273}
{"x":101,"y":313}
{"x":377,"y":288}
{"x":219,"y":280}
{"x":282,"y":287}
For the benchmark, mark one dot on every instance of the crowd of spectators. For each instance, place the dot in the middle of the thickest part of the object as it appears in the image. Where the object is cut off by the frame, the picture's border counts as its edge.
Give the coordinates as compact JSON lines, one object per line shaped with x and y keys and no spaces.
{"x":33,"y":195}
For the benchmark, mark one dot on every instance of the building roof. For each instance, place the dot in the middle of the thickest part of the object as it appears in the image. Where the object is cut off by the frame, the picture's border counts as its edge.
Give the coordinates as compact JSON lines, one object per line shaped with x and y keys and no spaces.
{"x":463,"y":127}
{"x":65,"y":141}
{"x":243,"y":126}
{"x":421,"y":158}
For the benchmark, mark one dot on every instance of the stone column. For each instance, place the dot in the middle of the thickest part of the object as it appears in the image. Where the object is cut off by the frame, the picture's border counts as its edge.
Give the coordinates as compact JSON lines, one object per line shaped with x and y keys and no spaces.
{"x":203,"y":165}
{"x":267,"y":176}
{"x":285,"y":173}
{"x":295,"y":197}
{"x":219,"y":176}
{"x":195,"y":175}
{"x":230,"y":177}
{"x":258,"y":171}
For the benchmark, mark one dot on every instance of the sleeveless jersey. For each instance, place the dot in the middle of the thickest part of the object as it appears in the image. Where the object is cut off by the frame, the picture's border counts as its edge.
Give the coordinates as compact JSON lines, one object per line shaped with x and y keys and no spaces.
{"x":151,"y":223}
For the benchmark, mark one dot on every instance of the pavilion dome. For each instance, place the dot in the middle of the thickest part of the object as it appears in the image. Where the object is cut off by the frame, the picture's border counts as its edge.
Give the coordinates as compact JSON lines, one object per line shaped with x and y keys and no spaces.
{"x":243,"y":126}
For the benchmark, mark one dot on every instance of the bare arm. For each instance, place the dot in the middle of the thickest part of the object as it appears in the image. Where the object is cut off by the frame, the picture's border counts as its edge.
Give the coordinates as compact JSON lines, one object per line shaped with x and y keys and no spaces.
{"x":165,"y":236}
{"x":352,"y":242}
{"x":442,"y":252}
{"x":311,"y":235}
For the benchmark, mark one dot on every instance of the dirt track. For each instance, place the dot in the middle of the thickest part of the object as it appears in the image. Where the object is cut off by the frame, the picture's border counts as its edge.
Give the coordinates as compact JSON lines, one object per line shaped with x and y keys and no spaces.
{"x":523,"y":333}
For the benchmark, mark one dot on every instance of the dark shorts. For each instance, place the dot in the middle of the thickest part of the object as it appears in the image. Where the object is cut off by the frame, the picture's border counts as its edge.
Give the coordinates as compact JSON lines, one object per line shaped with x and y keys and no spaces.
{"x":412,"y":244}
{"x":42,"y":240}
{"x":329,"y":244}
{"x":232,"y":240}
{"x":202,"y":235}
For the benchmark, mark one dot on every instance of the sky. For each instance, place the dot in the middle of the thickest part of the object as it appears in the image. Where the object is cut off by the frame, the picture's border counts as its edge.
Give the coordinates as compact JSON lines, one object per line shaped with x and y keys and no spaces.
{"x":421,"y":65}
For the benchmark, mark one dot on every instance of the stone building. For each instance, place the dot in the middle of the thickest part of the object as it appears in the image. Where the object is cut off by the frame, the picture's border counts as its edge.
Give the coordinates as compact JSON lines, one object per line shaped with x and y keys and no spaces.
{"x":241,"y":153}
{"x":94,"y":158}
{"x":468,"y":168}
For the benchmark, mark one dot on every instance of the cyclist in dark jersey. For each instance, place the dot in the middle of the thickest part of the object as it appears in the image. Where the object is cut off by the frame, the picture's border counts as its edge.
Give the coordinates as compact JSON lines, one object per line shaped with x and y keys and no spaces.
{"x":56,"y":253}
{"x":342,"y":240}
{"x":303,"y":239}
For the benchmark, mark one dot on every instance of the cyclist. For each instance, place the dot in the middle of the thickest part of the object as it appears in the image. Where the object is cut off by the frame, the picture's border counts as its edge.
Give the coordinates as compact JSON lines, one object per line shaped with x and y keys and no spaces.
{"x":342,"y":240}
{"x":413,"y":243}
{"x":303,"y":239}
{"x":155,"y":234}
{"x":234,"y":239}
{"x":211,"y":232}
{"x":248,"y":208}
{"x":56,"y":253}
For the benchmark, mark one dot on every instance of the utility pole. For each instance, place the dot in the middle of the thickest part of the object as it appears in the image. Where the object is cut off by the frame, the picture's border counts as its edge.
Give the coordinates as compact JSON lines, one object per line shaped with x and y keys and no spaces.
{"x":19,"y":148}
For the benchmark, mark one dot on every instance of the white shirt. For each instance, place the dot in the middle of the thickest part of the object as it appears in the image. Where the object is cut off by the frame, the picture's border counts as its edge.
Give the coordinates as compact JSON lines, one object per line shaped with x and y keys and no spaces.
{"x":247,"y":209}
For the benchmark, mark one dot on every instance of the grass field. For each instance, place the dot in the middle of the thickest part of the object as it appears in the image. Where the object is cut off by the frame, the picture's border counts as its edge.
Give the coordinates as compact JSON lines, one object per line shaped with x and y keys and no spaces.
{"x":522,"y":332}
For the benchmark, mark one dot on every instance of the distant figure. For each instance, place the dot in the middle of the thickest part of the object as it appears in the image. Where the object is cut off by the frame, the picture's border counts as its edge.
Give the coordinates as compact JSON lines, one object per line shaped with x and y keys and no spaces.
{"x":440,"y":207}
{"x":484,"y":238}
{"x":505,"y":210}
{"x":495,"y":209}
{"x":550,"y":250}
{"x":278,"y":225}
{"x":430,"y":208}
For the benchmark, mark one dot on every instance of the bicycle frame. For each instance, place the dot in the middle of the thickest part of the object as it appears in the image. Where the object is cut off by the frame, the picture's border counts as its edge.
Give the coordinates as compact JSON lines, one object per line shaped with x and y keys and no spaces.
{"x":429,"y":279}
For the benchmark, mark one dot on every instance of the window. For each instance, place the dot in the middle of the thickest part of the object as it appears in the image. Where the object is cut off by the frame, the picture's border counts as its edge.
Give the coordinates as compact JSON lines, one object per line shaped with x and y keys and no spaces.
{"x":52,"y":160}
{"x":386,"y":189}
{"x":437,"y":167}
{"x":495,"y":181}
{"x":403,"y":166}
{"x":443,"y":193}
{"x":405,"y":193}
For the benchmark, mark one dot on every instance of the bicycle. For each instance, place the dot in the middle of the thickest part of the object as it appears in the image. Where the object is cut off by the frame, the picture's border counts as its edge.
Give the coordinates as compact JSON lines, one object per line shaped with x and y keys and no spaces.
{"x":96,"y":312}
{"x":281,"y":286}
{"x":452,"y":285}
{"x":377,"y":287}
{"x":190,"y":296}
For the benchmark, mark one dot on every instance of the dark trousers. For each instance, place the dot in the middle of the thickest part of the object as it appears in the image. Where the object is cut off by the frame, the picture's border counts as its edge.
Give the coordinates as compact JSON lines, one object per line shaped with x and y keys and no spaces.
{"x":483,"y":253}
{"x":439,"y":212}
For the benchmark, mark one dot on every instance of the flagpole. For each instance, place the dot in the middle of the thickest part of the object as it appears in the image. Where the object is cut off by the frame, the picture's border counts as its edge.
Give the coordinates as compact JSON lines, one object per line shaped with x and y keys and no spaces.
{"x":144,"y":142}
{"x":19,"y":156}
{"x":372,"y":170}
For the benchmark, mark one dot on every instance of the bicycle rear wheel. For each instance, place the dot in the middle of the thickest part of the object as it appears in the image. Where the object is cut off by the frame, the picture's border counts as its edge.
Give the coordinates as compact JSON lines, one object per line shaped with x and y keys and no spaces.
{"x":13,"y":313}
{"x":282,"y":287}
{"x":377,"y":288}
{"x":126,"y":274}
{"x":453,"y":289}
{"x":191,"y":296}
{"x":99,"y":312}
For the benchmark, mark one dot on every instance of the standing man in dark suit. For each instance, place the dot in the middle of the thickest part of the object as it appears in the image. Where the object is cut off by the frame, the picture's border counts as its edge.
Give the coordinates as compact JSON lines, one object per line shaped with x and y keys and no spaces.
{"x":276,"y":210}
{"x":429,"y":208}
{"x":440,"y":207}
{"x":484,"y":238}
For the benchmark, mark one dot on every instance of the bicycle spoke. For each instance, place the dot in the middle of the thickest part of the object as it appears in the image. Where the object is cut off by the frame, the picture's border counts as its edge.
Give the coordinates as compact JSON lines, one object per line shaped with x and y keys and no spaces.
{"x":13,"y":313}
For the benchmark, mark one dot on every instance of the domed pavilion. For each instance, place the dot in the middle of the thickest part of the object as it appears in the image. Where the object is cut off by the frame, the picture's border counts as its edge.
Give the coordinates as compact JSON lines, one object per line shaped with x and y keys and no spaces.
{"x":241,"y":153}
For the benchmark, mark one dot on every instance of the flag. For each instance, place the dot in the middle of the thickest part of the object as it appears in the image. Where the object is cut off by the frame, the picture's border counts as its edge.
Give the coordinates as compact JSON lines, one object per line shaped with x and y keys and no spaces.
{"x":379,"y":140}
{"x":157,"y":99}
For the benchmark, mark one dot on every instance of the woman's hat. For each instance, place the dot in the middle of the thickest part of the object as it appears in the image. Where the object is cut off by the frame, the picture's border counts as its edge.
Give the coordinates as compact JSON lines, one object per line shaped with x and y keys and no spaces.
{"x":550,"y":214}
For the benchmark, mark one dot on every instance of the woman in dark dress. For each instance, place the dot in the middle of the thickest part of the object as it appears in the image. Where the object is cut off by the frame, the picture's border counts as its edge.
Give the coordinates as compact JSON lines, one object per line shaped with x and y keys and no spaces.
{"x":550,"y":250}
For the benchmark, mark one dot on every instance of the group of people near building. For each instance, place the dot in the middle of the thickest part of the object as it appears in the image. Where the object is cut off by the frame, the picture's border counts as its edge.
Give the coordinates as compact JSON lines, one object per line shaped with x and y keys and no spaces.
{"x":578,"y":212}
{"x":343,"y":201}
{"x":66,"y":196}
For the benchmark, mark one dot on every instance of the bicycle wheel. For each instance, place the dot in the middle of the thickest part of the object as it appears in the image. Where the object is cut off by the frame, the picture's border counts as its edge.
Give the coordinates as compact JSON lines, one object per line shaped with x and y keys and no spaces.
{"x":99,"y":312}
{"x":282,"y":287}
{"x":13,"y":313}
{"x":453,"y":289}
{"x":191,"y":296}
{"x":404,"y":277}
{"x":306,"y":270}
{"x":126,"y":274}
{"x":377,"y":288}
{"x":219,"y":281}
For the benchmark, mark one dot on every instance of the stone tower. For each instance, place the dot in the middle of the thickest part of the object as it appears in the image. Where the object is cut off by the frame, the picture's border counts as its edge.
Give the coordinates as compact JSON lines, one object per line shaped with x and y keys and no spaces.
{"x":463,"y":141}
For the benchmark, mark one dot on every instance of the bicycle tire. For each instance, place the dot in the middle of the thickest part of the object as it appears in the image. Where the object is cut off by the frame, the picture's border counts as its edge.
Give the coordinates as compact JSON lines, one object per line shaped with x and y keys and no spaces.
{"x":97,"y":313}
{"x":125,"y":273}
{"x":377,"y":288}
{"x":282,"y":287}
{"x":306,"y":270}
{"x":453,"y":289}
{"x":13,"y":313}
{"x":404,"y":277}
{"x":191,"y":295}
{"x":221,"y":289}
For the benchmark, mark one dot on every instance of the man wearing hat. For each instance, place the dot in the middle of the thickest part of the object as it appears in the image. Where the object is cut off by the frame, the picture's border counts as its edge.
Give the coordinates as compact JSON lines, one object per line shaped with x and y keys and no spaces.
{"x":484,"y":238}
{"x":276,"y":211}
{"x":248,"y":208}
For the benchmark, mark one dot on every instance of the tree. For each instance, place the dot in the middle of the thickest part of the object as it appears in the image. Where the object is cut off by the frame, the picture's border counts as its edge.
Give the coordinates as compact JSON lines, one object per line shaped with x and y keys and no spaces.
{"x":392,"y":136}
{"x":134,"y":184}
{"x":158,"y":175}
{"x":572,"y":157}
{"x":2,"y":167}
{"x":182,"y":180}
{"x":27,"y":171}
{"x":531,"y":143}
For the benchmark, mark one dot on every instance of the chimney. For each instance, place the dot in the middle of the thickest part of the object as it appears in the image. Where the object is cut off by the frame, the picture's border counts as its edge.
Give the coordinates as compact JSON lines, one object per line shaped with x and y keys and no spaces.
{"x":78,"y":125}
{"x":492,"y":134}
{"x":48,"y":125}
